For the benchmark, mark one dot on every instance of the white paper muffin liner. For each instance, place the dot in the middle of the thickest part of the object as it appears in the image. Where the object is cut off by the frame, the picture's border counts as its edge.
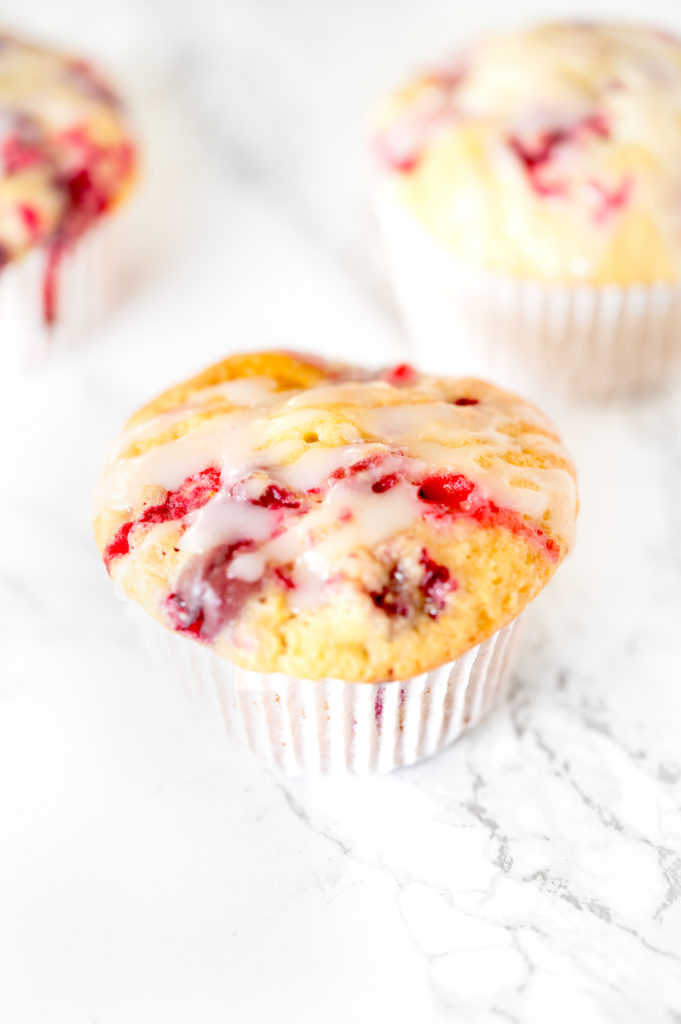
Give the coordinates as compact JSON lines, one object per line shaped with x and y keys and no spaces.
{"x":305,"y":727}
{"x":90,"y":279}
{"x":579,"y":340}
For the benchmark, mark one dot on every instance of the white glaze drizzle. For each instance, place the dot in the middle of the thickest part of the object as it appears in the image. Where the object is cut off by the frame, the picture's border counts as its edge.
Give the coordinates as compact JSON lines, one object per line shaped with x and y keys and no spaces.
{"x":414,"y":431}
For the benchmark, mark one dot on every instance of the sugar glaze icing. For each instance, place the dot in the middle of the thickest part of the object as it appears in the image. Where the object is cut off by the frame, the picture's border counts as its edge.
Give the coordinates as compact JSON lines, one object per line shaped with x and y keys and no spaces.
{"x":300,"y":479}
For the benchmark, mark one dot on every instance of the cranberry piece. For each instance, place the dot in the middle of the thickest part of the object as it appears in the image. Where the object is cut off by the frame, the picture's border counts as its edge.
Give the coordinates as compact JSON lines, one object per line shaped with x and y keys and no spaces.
{"x":86,"y":202}
{"x":466,"y":401}
{"x":18,"y":154}
{"x":533,"y":156}
{"x":609,"y":201}
{"x":536,"y":158}
{"x":356,"y":467}
{"x":402,"y":147}
{"x":452,"y":493}
{"x":391,"y":599}
{"x":488,"y":513}
{"x":371,"y":462}
{"x":385,"y":483}
{"x":538,"y":154}
{"x":406,"y":163}
{"x":597,"y":124}
{"x":276,"y":497}
{"x":180,"y":617}
{"x":207,"y":597}
{"x":435,"y":585}
{"x":191,"y":495}
{"x":284,"y":578}
{"x":401,"y":375}
{"x":402,"y":596}
{"x":120,"y":545}
{"x":449,"y":490}
{"x":396,"y":158}
{"x":32,"y":220}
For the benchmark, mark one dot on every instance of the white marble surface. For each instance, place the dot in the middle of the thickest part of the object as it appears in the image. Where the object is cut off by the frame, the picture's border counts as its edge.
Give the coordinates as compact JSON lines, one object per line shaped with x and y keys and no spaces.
{"x":148,"y":873}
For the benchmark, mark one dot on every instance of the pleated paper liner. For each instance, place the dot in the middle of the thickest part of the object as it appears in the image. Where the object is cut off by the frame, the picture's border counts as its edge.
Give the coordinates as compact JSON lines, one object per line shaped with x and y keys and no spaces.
{"x":307,"y":727}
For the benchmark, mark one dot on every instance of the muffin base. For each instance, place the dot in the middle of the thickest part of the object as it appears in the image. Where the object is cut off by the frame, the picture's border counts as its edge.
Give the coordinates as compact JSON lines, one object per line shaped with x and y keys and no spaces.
{"x":90,"y":279}
{"x":306,"y":727}
{"x":576,"y":339}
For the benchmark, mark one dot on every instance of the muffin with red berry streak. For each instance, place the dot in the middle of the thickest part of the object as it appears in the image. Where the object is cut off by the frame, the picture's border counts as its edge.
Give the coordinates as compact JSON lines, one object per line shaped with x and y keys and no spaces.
{"x":340,"y":556}
{"x":530,"y":191}
{"x":67,"y":163}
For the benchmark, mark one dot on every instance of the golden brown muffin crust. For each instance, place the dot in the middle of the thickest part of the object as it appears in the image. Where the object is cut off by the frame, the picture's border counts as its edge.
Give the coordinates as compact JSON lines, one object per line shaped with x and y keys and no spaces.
{"x":321,"y":520}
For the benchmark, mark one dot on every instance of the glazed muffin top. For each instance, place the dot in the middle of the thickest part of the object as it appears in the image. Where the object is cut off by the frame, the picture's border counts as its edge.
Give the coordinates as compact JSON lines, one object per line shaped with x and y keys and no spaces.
{"x":66,"y":153}
{"x":552,"y":153}
{"x":317,"y":519}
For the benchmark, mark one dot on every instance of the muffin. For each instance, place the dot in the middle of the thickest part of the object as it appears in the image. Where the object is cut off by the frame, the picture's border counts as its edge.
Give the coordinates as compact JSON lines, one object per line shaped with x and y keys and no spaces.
{"x":339,"y":556}
{"x":529,"y":191}
{"x":67,"y":163}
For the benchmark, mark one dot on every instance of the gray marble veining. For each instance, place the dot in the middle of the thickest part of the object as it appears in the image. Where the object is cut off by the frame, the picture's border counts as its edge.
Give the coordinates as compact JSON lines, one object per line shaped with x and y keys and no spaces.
{"x":148,"y":873}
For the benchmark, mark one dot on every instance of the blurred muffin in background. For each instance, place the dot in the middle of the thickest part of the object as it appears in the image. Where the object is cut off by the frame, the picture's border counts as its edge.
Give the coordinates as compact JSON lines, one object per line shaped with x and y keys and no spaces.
{"x":67,"y":163}
{"x":530,"y":191}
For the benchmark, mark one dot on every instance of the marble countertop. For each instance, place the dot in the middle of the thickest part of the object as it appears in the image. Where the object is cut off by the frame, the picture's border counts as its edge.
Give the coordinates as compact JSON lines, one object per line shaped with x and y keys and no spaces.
{"x":532,"y":872}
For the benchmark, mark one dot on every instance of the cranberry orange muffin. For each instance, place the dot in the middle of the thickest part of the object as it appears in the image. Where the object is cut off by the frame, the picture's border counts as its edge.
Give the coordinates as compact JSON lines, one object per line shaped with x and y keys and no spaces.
{"x":533,"y":181}
{"x":317,"y":525}
{"x":67,"y":161}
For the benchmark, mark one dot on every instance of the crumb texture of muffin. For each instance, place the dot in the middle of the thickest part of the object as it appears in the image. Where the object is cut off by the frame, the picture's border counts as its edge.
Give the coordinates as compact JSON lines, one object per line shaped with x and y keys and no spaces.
{"x":320,"y":520}
{"x":67,"y":157}
{"x":552,"y":153}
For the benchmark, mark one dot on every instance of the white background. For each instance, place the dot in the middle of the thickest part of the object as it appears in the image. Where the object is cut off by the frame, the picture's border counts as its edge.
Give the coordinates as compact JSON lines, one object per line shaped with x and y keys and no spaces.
{"x":147,"y":872}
